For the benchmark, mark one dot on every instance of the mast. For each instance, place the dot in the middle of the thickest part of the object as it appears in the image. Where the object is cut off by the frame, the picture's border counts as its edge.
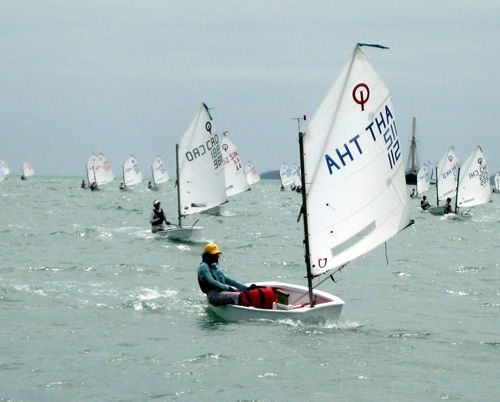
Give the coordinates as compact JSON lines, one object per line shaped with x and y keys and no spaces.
{"x":456,"y":191}
{"x":178,"y":184}
{"x":153,"y":175}
{"x":437,"y":188}
{"x":304,"y":213}
{"x":413,"y":150}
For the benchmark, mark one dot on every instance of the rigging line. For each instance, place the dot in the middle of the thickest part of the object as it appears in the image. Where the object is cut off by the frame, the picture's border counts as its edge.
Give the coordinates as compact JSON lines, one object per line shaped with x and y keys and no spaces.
{"x":386,"y":257}
{"x":372,"y":45}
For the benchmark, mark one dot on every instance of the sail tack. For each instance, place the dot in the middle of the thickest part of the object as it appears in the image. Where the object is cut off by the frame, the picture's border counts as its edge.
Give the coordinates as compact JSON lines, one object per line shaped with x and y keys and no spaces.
{"x":354,"y":173}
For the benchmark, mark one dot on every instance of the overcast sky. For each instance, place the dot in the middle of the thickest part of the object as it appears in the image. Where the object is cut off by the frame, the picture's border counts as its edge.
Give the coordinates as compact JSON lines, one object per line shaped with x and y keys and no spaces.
{"x":126,"y":77}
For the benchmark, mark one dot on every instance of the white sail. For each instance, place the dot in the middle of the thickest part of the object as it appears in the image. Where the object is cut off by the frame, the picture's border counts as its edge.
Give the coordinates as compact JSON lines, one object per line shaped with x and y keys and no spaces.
{"x":2,"y":175}
{"x":236,"y":181}
{"x":28,"y":169}
{"x":201,"y":172}
{"x":423,"y":179}
{"x":160,"y":174}
{"x":104,"y":173}
{"x":286,"y":175}
{"x":354,"y":174}
{"x":496,"y":182}
{"x":474,"y":181}
{"x":91,"y":162}
{"x":4,"y":168}
{"x":447,"y":173}
{"x":251,"y":174}
{"x":297,"y":181}
{"x":132,"y":173}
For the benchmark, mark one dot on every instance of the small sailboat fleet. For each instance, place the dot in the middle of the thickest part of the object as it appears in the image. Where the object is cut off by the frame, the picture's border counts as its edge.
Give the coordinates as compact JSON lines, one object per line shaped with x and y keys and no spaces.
{"x":132,"y":173}
{"x":351,"y":202}
{"x":159,"y":173}
{"x":468,"y":184}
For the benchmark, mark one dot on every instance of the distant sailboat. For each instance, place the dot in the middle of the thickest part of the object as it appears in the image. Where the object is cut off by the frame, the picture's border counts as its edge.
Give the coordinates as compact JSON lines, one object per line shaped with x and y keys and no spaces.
{"x":99,"y":171}
{"x":473,"y":182}
{"x":348,"y":208}
{"x":159,"y":173}
{"x":132,"y":173}
{"x":4,"y":168}
{"x":412,"y":166}
{"x":234,"y":174}
{"x":251,"y":174}
{"x":27,"y":171}
{"x":423,"y":180}
{"x":286,"y":176}
{"x":496,"y":183}
{"x":446,"y":179}
{"x":200,"y":174}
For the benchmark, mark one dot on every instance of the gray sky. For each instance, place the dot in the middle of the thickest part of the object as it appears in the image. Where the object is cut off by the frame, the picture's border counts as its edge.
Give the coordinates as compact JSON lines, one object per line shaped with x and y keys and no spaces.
{"x":126,"y":77}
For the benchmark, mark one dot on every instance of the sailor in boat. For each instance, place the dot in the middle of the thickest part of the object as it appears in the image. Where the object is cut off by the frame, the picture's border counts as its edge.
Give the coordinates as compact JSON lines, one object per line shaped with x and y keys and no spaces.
{"x":150,"y":186}
{"x":221,"y":289}
{"x":122,"y":186}
{"x":83,"y":185}
{"x":413,"y":193}
{"x":157,"y":218}
{"x":93,"y":186}
{"x":424,"y":204}
{"x":447,"y":207}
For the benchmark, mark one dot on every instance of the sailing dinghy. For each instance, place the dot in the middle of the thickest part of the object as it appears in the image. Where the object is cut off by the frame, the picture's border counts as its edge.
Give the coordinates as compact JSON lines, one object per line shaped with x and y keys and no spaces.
{"x":99,"y":171}
{"x":446,"y":180}
{"x":27,"y":171}
{"x":251,"y":174}
{"x":234,"y":174}
{"x":496,"y":183}
{"x":354,"y":193}
{"x":159,"y":173}
{"x":423,"y":180}
{"x":473,"y":187}
{"x":200,"y":175}
{"x":132,"y":173}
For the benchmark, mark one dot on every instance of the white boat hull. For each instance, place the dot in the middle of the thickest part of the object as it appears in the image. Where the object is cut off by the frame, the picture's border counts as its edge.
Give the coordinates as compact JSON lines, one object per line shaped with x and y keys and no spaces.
{"x":192,"y":234}
{"x":326,"y":310}
{"x":459,"y":217}
{"x":436,"y":210}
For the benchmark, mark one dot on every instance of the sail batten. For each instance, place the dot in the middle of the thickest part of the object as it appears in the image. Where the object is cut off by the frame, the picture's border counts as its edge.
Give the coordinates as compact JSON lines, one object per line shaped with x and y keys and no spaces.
{"x":355,"y":183}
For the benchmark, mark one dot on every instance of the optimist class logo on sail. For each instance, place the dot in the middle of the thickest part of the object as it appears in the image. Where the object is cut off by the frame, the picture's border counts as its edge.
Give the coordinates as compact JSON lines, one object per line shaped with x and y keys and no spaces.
{"x":382,"y":126}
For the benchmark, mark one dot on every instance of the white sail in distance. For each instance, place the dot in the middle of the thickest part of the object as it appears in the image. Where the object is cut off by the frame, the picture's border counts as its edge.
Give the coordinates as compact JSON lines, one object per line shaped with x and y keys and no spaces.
{"x":474,"y":181}
{"x":354,"y":173}
{"x":159,"y":171}
{"x":286,"y":176}
{"x":28,"y":169}
{"x":5,"y":169}
{"x":423,"y":179}
{"x":201,"y":171}
{"x":236,"y":181}
{"x":496,"y":182}
{"x":251,"y":174}
{"x":132,"y":173}
{"x":447,"y":174}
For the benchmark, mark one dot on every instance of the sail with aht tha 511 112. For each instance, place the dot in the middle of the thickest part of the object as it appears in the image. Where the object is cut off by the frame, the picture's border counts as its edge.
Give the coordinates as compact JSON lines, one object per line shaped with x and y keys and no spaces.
{"x":353,"y":190}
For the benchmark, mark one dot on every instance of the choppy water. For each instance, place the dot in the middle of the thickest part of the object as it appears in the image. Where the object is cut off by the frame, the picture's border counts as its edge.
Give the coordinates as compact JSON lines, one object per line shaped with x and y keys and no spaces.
{"x":94,"y":307}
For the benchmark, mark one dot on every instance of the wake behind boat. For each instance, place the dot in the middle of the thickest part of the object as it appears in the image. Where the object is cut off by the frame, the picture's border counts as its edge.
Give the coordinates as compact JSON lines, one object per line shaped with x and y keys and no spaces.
{"x":354,"y":193}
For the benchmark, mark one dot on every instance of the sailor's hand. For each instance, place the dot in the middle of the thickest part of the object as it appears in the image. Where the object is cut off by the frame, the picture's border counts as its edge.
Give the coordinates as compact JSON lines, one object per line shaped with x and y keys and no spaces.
{"x":252,"y":286}
{"x":232,"y":289}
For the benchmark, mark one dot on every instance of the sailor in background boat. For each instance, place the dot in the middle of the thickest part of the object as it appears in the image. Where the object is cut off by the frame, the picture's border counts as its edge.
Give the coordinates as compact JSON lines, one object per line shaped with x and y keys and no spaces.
{"x":157,"y":218}
{"x":447,"y":207}
{"x":219,"y":288}
{"x":83,"y":185}
{"x":93,"y":186}
{"x":413,"y":193}
{"x":424,"y":204}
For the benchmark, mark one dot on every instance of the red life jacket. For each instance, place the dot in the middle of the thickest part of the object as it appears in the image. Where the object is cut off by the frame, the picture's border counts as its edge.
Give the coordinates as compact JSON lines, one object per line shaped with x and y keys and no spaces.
{"x":261,"y":297}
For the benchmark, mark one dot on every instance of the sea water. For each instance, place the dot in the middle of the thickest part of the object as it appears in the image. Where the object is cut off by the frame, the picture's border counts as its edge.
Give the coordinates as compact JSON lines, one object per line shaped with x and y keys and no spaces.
{"x":94,"y":307}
